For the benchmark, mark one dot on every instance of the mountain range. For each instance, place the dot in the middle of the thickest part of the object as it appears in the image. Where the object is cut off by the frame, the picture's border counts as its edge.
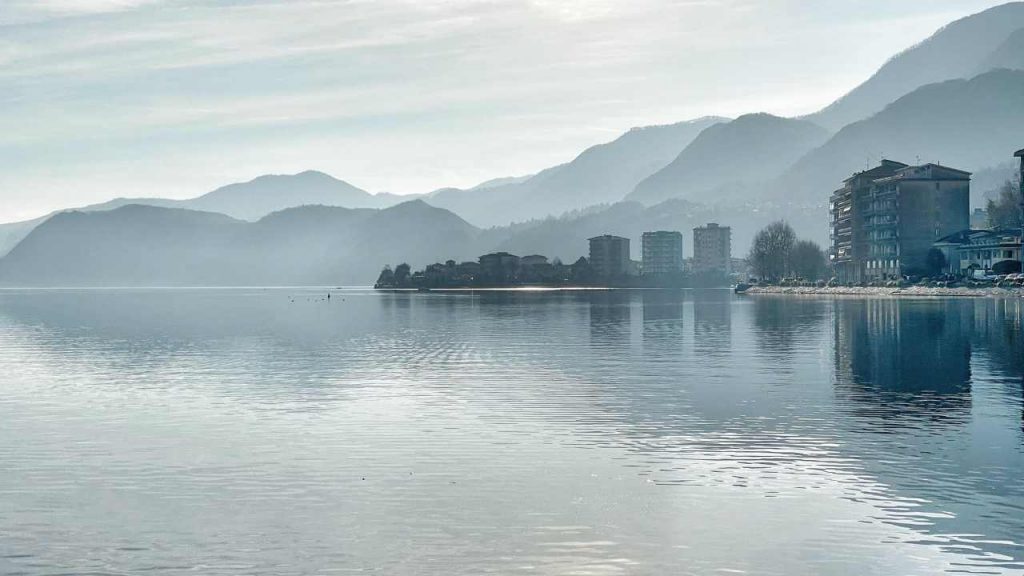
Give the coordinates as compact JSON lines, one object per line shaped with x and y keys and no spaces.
{"x":968,"y":124}
{"x":961,"y":49}
{"x":600,"y":174}
{"x":725,"y":159}
{"x":954,"y":99}
{"x":157,"y":246}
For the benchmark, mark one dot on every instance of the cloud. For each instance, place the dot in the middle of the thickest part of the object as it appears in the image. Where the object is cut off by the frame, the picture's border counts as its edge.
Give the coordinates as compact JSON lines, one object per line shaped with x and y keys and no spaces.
{"x":85,"y":6}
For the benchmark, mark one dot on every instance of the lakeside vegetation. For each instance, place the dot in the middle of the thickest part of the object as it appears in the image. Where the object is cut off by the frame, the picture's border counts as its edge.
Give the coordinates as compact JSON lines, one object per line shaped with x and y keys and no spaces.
{"x":493,"y":271}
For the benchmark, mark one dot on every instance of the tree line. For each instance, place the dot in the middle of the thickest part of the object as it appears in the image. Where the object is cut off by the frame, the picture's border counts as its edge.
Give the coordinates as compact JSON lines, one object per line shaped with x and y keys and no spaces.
{"x":777,"y":253}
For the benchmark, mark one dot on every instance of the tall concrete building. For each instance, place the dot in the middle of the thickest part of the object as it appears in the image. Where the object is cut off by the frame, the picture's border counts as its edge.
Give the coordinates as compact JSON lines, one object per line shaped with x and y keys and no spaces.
{"x":609,"y":256}
{"x":885,"y":220}
{"x":662,"y":253}
{"x":712,"y":249}
{"x":848,"y":243}
{"x":1020,"y":154}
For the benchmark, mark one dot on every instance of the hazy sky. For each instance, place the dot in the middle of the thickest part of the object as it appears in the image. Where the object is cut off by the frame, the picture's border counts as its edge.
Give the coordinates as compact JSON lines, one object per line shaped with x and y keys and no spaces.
{"x":106,"y":98}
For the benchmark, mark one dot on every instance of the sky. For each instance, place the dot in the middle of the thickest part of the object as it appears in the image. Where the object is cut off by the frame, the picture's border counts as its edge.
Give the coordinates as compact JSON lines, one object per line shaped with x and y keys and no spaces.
{"x":172,"y":98}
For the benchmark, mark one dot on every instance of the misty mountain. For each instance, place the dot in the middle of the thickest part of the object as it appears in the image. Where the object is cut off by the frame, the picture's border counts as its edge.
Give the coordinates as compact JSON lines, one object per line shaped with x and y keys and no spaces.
{"x":600,"y":174}
{"x":966,"y":124}
{"x":986,"y":182}
{"x":250,"y":200}
{"x":1010,"y":54}
{"x":961,"y":49}
{"x":566,"y":237}
{"x":139,"y":245}
{"x":722,"y":162}
{"x":258,"y":197}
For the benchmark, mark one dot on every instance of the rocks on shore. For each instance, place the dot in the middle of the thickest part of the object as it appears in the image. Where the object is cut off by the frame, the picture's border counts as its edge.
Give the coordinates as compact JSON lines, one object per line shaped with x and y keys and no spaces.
{"x":988,"y":292}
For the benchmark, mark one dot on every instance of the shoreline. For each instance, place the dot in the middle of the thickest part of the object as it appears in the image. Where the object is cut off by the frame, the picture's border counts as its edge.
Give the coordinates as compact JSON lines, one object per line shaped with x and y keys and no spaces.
{"x":907,"y":292}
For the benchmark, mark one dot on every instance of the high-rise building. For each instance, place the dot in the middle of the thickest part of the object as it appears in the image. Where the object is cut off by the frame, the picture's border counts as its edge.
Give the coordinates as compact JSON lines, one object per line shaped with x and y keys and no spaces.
{"x":1020,"y":154}
{"x":662,"y":253}
{"x":712,"y":249}
{"x":609,"y":256}
{"x":885,"y":220}
{"x":848,"y":238}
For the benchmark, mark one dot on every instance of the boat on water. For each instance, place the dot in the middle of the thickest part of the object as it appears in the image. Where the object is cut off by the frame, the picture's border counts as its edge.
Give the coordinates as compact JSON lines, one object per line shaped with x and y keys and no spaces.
{"x":741,"y":288}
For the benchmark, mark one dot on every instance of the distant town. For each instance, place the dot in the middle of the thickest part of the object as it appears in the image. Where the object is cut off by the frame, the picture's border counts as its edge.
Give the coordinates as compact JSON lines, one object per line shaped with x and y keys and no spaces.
{"x":608,"y":265}
{"x":890,"y":224}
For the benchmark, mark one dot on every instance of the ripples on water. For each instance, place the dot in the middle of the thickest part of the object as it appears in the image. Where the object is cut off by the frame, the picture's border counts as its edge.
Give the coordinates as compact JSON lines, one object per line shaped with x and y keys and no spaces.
{"x":271,"y":432}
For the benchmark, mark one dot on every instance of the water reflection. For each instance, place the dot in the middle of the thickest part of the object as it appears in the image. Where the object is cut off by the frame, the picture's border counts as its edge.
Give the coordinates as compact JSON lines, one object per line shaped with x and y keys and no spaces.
{"x":712,"y":322}
{"x":663,"y":320}
{"x":904,"y":359}
{"x":493,"y":432}
{"x":780,"y":323}
{"x":610,"y":317}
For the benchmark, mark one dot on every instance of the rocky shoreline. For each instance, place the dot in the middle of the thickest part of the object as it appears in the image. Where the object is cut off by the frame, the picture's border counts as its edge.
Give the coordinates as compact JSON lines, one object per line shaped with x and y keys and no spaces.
{"x":908,"y":291}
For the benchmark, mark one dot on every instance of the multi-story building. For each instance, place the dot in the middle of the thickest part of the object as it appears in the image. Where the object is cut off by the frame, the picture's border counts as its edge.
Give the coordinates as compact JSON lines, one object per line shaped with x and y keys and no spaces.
{"x":533,"y":261}
{"x":972,"y":252}
{"x":499,"y":267}
{"x":662,"y":253}
{"x":609,"y":256}
{"x":1020,"y":154}
{"x":848,"y":239}
{"x":712,"y":249}
{"x":885,"y":220}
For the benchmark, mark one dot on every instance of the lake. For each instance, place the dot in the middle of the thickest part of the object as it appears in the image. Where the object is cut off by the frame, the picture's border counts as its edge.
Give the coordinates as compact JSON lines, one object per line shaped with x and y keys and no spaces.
{"x":270,"y":431}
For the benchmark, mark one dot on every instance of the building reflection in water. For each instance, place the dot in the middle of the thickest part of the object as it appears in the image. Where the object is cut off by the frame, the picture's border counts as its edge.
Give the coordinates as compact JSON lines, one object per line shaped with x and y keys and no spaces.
{"x":904,"y":358}
{"x":610,"y":316}
{"x":663,"y":319}
{"x":783,"y":324}
{"x":998,"y":336}
{"x":712,"y":322}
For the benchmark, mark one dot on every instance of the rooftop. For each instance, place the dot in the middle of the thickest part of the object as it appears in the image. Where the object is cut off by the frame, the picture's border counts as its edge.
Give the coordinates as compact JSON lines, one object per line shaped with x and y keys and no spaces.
{"x":885,"y":166}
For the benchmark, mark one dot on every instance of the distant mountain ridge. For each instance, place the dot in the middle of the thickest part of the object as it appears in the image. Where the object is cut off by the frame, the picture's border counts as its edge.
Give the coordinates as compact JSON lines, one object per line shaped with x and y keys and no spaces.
{"x":603,"y":173}
{"x":249,"y":200}
{"x":1010,"y":54}
{"x":726,"y":158}
{"x":270,"y":193}
{"x":966,"y":124}
{"x":961,"y":49}
{"x":138,"y":245}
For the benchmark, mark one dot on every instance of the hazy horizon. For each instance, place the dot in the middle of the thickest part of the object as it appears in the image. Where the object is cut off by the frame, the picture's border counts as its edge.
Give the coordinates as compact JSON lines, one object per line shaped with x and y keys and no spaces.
{"x":111,"y":98}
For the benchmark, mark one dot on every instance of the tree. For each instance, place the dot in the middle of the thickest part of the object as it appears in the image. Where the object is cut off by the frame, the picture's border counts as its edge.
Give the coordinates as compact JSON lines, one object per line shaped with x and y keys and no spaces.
{"x":935,"y":262}
{"x":808,"y":260}
{"x":771,"y":250}
{"x":402,"y":275}
{"x":1004,"y":211}
{"x":386,"y":278}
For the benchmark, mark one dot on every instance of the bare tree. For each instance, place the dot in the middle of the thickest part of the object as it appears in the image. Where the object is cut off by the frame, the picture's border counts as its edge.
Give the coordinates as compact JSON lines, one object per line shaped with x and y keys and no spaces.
{"x":808,"y":260}
{"x":771,"y":251}
{"x":1004,"y":211}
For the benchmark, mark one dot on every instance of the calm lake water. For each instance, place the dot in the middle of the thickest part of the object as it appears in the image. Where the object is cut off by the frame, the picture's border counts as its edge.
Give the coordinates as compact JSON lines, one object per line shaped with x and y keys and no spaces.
{"x":268,"y":431}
